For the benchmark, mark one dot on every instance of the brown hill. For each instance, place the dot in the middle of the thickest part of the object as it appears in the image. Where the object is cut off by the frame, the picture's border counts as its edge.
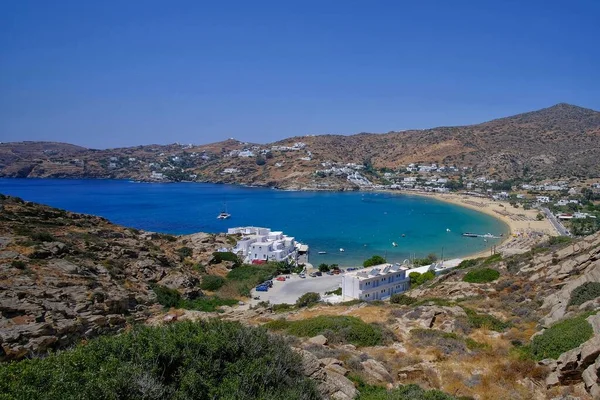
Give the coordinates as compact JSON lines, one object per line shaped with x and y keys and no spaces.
{"x":559,"y":141}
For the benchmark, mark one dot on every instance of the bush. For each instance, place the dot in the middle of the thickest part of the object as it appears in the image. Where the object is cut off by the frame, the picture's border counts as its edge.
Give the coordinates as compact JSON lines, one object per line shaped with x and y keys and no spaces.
{"x":485,"y":321}
{"x":402,"y":392}
{"x":220,"y":256}
{"x":18,"y":264}
{"x":42,"y":237}
{"x":167,"y":297}
{"x":184,"y":252}
{"x":402,"y":299}
{"x":242,"y":279}
{"x":560,"y":337}
{"x":185,"y":360}
{"x":375,"y":260}
{"x":586,"y":292}
{"x":212,"y":282}
{"x":467,"y":263}
{"x":308,"y":299}
{"x":494,"y":258}
{"x":558,"y":240}
{"x":324,"y":267}
{"x":337,"y":329}
{"x":417,"y":279}
{"x":481,"y":275}
{"x":172,"y":298}
{"x":430,"y":259}
{"x":337,"y":291}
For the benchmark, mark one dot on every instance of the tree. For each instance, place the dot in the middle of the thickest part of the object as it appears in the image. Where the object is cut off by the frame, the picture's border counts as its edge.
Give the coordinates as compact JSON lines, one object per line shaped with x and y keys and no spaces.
{"x":308,"y":299}
{"x":375,"y":260}
{"x":334,"y":267}
{"x":324,"y":267}
{"x":539,"y":217}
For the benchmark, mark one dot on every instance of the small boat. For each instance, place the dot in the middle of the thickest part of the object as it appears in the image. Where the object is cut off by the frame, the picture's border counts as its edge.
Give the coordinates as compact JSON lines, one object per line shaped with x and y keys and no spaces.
{"x":342,"y":250}
{"x":394,"y":244}
{"x":322,"y":252}
{"x":403,"y":235}
{"x":469,"y":234}
{"x":447,"y":229}
{"x":224,"y":214}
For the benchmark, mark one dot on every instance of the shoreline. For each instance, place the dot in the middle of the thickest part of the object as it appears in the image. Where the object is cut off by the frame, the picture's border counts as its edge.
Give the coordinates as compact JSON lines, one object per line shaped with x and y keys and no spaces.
{"x":518,"y":220}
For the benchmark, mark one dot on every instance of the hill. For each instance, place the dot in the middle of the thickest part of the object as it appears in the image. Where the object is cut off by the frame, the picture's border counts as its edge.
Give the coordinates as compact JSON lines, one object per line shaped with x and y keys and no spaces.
{"x":555,"y":142}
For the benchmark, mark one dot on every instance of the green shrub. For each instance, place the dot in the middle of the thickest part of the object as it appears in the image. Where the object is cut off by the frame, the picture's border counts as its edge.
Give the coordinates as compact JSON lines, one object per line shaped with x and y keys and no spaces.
{"x":481,"y":275}
{"x":323,"y":267}
{"x":417,"y":279}
{"x":402,"y":299}
{"x":337,"y":329}
{"x":485,"y":321}
{"x":468,"y":263}
{"x":558,"y":240}
{"x":42,"y":237}
{"x":184,"y":252}
{"x":172,"y":298}
{"x":277,"y":324}
{"x":560,"y":337}
{"x":212,"y":282}
{"x":18,"y":264}
{"x":282,"y":307}
{"x":220,"y":256}
{"x":586,"y":292}
{"x":337,"y":291}
{"x":492,"y":259}
{"x":308,"y":299}
{"x":375,"y":260}
{"x":403,"y":392}
{"x":185,"y":360}
{"x":430,"y":259}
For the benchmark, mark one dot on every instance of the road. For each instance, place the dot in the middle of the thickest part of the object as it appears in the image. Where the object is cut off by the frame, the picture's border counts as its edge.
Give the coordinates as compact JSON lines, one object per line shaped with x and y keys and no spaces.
{"x":290,"y":290}
{"x":562,"y":231}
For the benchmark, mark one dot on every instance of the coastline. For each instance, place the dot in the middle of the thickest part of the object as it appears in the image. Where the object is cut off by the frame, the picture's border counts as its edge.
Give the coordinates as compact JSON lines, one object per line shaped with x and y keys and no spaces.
{"x":518,"y":220}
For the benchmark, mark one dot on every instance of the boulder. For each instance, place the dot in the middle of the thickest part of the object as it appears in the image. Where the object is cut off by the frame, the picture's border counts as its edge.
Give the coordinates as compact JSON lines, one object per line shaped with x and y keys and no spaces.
{"x":375,"y":370}
{"x":319,"y":339}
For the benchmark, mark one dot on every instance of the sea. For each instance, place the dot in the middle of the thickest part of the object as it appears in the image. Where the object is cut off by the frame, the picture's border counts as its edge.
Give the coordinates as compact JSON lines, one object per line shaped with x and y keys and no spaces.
{"x":361,"y":223}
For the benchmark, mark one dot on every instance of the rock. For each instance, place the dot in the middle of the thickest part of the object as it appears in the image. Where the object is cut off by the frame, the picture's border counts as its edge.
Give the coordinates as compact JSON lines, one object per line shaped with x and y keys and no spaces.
{"x":320,"y":340}
{"x":552,"y":380}
{"x":590,"y":351}
{"x":343,"y":387}
{"x":376,"y":371}
{"x":330,"y":383}
{"x":594,"y":321}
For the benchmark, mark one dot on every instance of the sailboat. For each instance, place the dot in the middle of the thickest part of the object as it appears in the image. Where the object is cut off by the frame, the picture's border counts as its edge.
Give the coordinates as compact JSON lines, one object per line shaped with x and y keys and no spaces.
{"x":224,"y":214}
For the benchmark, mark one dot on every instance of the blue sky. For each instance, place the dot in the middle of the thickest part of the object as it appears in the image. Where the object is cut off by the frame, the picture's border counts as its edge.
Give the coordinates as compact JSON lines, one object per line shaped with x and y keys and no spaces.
{"x":120,"y":73}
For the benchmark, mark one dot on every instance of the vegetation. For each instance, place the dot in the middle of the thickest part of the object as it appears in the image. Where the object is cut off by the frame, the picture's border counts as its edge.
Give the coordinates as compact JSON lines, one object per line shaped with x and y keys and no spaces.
{"x":172,"y":298}
{"x":485,"y":321}
{"x":402,"y":299}
{"x":559,"y":240}
{"x":337,"y":291}
{"x":586,"y":292}
{"x":430,"y":259}
{"x":308,"y":299}
{"x":560,"y":337}
{"x":220,"y":256}
{"x":185,"y":360}
{"x":404,"y":392}
{"x":18,"y":264}
{"x":468,"y":263}
{"x":481,"y":275}
{"x":448,"y":342}
{"x":184,"y":252}
{"x":375,"y":260}
{"x":417,"y":279}
{"x":337,"y":329}
{"x":241,"y":280}
{"x":212,"y":282}
{"x":494,"y":258}
{"x":324,"y":267}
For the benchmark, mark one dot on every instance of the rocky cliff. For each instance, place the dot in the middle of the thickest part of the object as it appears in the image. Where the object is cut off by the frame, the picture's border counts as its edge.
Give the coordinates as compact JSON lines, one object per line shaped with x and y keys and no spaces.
{"x":67,"y":276}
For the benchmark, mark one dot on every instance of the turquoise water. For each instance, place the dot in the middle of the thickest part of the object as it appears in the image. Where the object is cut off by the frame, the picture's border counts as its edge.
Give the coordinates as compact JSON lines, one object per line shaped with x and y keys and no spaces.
{"x":361,"y":223}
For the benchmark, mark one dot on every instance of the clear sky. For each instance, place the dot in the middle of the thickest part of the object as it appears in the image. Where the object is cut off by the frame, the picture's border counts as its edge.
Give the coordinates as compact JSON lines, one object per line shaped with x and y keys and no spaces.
{"x":110,"y":73}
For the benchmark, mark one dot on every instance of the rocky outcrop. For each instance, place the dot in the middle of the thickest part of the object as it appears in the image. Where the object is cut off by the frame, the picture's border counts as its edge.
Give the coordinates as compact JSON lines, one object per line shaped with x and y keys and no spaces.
{"x":579,"y":364}
{"x":332,"y":383}
{"x":67,"y":276}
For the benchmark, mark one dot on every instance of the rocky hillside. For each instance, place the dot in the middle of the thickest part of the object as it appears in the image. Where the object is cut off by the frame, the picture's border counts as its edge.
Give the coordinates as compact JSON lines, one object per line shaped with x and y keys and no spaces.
{"x":66,"y":276}
{"x":560,"y":141}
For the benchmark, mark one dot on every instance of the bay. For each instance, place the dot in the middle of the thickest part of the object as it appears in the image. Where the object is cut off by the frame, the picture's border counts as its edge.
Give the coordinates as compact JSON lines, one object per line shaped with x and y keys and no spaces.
{"x":361,"y":223}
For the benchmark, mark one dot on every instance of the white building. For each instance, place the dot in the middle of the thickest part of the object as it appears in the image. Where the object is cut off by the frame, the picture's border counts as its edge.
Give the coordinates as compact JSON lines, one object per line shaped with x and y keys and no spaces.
{"x":543,"y":199}
{"x":264,"y":245}
{"x":377,"y":283}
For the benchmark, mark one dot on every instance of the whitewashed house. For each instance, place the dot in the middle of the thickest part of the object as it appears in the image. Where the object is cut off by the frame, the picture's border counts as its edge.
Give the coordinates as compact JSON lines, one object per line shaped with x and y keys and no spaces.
{"x":376,"y":283}
{"x":264,"y":245}
{"x":543,"y":199}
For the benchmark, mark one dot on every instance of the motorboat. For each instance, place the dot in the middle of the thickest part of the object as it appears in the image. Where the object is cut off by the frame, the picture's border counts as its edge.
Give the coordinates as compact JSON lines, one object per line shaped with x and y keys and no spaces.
{"x":469,"y":234}
{"x":322,"y":252}
{"x":224,"y":214}
{"x":342,"y":250}
{"x":447,"y":229}
{"x":394,"y":244}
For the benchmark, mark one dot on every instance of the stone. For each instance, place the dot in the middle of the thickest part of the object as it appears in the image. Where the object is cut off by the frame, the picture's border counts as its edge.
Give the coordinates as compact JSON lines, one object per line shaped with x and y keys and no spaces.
{"x":590,"y":351}
{"x":552,"y":380}
{"x":376,"y":371}
{"x":319,"y":339}
{"x":594,"y":321}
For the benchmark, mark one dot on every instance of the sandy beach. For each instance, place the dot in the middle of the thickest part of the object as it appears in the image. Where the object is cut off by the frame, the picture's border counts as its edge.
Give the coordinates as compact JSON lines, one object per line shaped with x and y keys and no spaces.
{"x":525,"y":229}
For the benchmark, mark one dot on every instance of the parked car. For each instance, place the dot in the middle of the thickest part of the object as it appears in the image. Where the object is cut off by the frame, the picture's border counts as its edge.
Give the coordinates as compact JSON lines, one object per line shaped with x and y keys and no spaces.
{"x":336,"y":271}
{"x":268,"y":283}
{"x":329,"y":273}
{"x":351,"y":269}
{"x":302,"y":276}
{"x":313,"y":274}
{"x":262,"y":288}
{"x":280,"y":278}
{"x":318,"y":273}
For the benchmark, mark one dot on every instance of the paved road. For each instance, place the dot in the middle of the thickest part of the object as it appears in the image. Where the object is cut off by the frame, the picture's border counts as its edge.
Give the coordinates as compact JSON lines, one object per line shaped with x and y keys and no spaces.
{"x":556,"y":223}
{"x":290,"y":290}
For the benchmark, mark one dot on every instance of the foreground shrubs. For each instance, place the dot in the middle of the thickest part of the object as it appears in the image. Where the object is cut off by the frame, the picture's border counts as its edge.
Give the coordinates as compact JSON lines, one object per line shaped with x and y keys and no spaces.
{"x":485,"y":321}
{"x":481,"y":275}
{"x":308,"y":299}
{"x":204,"y":360}
{"x":402,"y":299}
{"x":586,"y":292}
{"x":337,"y":329}
{"x":560,"y":337}
{"x":404,"y":392}
{"x":212,"y":282}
